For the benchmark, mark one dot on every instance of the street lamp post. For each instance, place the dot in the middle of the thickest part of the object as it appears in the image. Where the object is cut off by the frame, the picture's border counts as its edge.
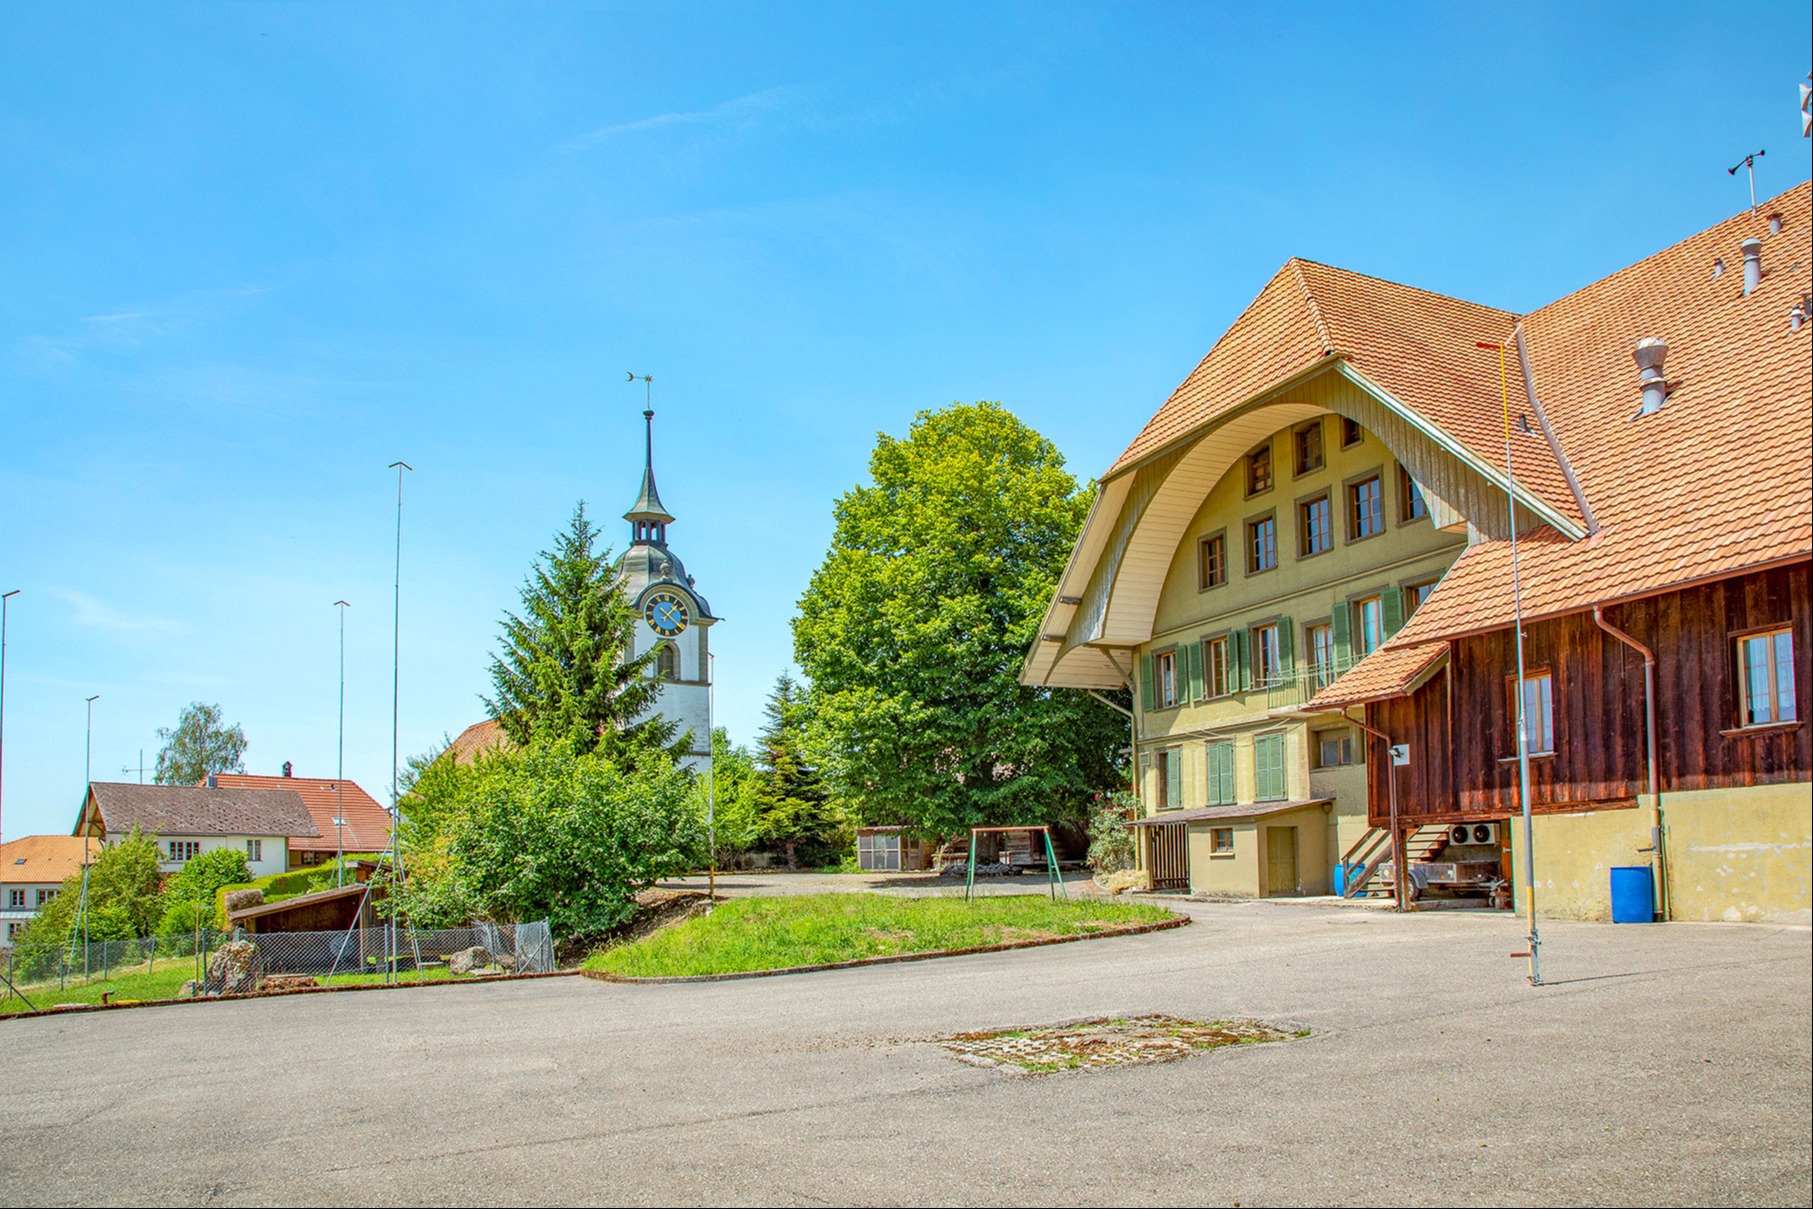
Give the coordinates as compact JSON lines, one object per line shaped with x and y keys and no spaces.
{"x":340,"y":768}
{"x":88,"y":789}
{"x":4,"y":597}
{"x":396,"y":674}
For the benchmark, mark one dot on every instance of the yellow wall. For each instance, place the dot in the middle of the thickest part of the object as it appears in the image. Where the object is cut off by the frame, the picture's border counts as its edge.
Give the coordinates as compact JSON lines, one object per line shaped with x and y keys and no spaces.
{"x":1738,"y":855}
{"x":1242,"y":873}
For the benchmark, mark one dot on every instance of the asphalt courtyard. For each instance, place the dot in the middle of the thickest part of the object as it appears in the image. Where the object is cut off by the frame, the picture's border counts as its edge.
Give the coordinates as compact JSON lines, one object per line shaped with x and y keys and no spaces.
{"x":1662,"y":1065}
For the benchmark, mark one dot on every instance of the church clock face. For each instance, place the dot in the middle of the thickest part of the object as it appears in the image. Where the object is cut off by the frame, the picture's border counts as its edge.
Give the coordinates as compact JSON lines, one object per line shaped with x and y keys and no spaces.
{"x":665,"y":613}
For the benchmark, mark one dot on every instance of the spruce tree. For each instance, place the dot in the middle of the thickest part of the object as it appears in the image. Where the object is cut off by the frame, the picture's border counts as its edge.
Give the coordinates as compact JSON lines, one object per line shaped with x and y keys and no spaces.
{"x":795,"y":807}
{"x":565,"y":672}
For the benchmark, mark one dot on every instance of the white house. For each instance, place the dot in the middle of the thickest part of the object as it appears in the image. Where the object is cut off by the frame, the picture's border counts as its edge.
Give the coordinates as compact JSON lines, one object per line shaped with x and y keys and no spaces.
{"x":190,"y":820}
{"x":32,"y":869}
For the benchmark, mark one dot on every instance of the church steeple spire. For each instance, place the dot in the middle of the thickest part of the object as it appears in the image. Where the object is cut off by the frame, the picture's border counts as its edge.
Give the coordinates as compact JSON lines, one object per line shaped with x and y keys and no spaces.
{"x":647,"y":517}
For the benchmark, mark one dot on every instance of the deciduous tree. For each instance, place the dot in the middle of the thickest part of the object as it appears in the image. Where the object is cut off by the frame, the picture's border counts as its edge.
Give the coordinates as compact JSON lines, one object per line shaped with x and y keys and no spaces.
{"x":201,"y":743}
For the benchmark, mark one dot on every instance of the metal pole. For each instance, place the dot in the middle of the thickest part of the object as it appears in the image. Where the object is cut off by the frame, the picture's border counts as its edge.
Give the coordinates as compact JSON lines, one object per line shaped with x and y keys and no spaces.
{"x":87,"y":763}
{"x":1523,"y":730}
{"x":4,"y":597}
{"x":711,"y":780}
{"x":396,"y":664}
{"x":340,"y":766}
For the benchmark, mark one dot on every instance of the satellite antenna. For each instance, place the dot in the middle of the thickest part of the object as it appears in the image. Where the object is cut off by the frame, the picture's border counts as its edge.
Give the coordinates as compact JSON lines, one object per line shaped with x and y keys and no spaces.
{"x":1749,"y":161}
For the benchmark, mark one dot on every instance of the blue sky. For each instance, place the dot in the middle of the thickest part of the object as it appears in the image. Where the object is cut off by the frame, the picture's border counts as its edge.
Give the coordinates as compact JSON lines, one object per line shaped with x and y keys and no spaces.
{"x":252,"y":253}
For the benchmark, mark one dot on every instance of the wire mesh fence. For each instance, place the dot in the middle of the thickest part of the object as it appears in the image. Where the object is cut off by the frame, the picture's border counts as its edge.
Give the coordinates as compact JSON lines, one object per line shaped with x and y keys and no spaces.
{"x":210,"y":962}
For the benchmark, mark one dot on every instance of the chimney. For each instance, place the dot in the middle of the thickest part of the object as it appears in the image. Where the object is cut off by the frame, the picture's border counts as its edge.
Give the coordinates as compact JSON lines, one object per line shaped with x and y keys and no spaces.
{"x":286,"y":768}
{"x":1753,"y":265}
{"x":1797,"y":314}
{"x":213,"y":781}
{"x":1775,"y":224}
{"x":1650,"y":354}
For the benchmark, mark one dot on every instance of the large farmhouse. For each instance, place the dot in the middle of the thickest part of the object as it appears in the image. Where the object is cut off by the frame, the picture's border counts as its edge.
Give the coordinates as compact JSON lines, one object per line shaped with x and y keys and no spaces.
{"x":1303,"y":561}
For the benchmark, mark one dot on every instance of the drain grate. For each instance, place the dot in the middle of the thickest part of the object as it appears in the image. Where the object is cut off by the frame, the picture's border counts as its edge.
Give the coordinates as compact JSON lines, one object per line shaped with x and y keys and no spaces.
{"x":1120,"y":1041}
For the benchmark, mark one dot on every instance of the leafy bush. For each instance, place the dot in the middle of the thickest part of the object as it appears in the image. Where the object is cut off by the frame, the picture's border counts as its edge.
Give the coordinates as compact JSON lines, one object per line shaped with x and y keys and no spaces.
{"x":189,"y":897}
{"x":1110,"y":840}
{"x":123,"y":903}
{"x":552,"y":832}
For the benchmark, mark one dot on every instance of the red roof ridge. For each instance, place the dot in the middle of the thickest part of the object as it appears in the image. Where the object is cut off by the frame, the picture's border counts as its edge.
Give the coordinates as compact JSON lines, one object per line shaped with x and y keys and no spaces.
{"x":1401,"y":285}
{"x":1295,"y":265}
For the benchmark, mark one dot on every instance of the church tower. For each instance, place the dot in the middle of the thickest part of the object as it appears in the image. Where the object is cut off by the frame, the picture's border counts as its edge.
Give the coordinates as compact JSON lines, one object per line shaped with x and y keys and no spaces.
{"x":676,"y":620}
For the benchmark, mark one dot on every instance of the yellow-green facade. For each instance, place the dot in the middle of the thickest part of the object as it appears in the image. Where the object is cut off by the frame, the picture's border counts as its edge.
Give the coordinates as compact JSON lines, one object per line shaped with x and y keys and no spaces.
{"x":1302,"y":591}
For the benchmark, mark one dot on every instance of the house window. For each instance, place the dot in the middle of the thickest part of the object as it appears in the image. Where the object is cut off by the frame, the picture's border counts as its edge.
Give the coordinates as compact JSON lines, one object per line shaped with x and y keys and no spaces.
{"x":1415,"y":595}
{"x":1216,"y":660}
{"x":1259,"y":469}
{"x":1261,"y":544}
{"x":184,"y":850}
{"x":1268,"y":768}
{"x":1365,"y":509}
{"x":1334,"y":748}
{"x":1167,"y":680}
{"x":16,"y":898}
{"x":1370,"y":635}
{"x":12,"y":930}
{"x":1351,"y":433}
{"x":1411,"y":505}
{"x":667,"y":662}
{"x":1267,"y":659}
{"x":1320,"y":639}
{"x":1212,"y":561}
{"x":1221,"y":840}
{"x":1170,"y":779}
{"x":254,"y":850}
{"x":45,"y":896}
{"x":1307,"y":444}
{"x":1765,"y":674}
{"x":1538,"y":712}
{"x":1220,"y":760}
{"x":1314,"y":531}
{"x":878,"y":853}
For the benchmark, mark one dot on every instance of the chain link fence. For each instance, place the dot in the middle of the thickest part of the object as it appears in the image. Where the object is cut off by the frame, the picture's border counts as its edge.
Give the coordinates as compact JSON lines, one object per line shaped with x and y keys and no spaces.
{"x":210,"y":962}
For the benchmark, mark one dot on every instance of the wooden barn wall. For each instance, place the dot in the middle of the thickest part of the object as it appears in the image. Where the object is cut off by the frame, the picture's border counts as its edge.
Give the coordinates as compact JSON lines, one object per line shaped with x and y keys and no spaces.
{"x":1462,"y":730}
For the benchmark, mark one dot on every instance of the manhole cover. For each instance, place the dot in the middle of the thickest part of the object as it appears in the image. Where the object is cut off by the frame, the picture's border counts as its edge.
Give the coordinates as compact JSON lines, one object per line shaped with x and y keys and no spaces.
{"x":1124,"y":1041}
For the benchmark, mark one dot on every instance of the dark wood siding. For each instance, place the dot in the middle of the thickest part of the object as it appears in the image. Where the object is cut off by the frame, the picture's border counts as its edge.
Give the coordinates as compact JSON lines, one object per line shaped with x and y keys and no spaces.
{"x":1461,"y":725}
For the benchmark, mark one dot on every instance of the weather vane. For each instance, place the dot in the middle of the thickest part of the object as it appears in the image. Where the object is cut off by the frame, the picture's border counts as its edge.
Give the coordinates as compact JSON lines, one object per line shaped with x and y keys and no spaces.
{"x":648,"y":390}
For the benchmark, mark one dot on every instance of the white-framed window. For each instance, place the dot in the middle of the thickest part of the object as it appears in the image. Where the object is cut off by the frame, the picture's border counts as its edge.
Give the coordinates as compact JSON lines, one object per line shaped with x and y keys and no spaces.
{"x":1334,"y":748}
{"x":1261,"y":544}
{"x":184,"y":850}
{"x":1268,"y":660}
{"x":1215,"y":659}
{"x":254,"y":850}
{"x":878,"y":852}
{"x":1219,"y":758}
{"x":1320,"y":639}
{"x":1315,"y":532}
{"x":1538,"y":712}
{"x":45,"y":896}
{"x":1369,"y":634}
{"x":1167,"y":680}
{"x":1765,"y":678}
{"x":15,"y":898}
{"x":1365,"y":509}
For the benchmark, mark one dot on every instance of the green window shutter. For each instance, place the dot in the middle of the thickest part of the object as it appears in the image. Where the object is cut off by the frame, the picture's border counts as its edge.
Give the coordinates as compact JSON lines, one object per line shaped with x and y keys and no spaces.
{"x":1391,"y":610}
{"x":1192,"y":656}
{"x":1220,"y":760}
{"x":1340,"y":624}
{"x":1174,"y":777}
{"x":1268,"y":768}
{"x":1240,"y":678}
{"x":1148,"y":688}
{"x":1286,"y":643}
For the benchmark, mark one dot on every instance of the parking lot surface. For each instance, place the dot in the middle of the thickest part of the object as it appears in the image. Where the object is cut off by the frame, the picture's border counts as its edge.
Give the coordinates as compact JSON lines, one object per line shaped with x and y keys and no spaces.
{"x":1663,"y":1064}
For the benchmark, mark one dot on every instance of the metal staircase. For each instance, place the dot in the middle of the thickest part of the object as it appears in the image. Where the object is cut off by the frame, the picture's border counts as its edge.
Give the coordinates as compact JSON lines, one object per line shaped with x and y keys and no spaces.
{"x":1373,"y":850}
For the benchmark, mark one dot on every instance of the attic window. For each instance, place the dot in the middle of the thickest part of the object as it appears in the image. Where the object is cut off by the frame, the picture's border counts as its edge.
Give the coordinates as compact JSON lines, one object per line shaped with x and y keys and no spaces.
{"x":20,"y":861}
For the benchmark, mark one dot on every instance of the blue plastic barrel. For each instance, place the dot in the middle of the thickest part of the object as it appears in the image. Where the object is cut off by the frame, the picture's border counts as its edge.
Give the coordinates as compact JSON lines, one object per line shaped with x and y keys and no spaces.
{"x":1340,"y":879}
{"x":1633,"y":894}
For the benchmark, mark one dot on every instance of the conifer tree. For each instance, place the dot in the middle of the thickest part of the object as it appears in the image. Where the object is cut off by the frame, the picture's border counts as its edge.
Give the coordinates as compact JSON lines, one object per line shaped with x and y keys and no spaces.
{"x":795,"y":806}
{"x":565,"y":671}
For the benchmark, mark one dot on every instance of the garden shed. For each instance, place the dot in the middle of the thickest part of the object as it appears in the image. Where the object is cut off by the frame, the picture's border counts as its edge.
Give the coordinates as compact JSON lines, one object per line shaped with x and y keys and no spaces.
{"x":889,"y":850}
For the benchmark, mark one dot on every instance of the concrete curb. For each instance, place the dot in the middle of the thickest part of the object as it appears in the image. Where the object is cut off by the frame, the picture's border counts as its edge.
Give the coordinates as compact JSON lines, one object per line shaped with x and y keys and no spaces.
{"x":72,"y":1009}
{"x":1176,"y":921}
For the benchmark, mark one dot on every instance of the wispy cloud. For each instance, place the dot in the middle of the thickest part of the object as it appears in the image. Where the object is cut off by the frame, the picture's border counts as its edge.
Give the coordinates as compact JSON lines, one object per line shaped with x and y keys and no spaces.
{"x":128,"y":331}
{"x":741,"y":111}
{"x":90,"y":613}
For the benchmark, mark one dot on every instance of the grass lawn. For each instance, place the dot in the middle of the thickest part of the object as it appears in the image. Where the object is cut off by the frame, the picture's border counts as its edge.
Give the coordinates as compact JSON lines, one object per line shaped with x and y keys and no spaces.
{"x":749,"y":934}
{"x":141,"y":982}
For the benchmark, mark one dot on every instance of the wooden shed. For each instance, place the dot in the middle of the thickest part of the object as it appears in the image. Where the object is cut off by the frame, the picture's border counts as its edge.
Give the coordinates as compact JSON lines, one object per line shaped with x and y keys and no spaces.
{"x":323,"y":911}
{"x":889,"y":850}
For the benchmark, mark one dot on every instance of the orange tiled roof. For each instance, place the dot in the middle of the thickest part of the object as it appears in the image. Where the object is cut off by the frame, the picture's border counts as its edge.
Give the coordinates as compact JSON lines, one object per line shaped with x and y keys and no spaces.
{"x":1417,"y":345}
{"x":367,"y":826}
{"x":1720,"y":480}
{"x":480,"y":736}
{"x":41,"y":858}
{"x":1389,"y":671}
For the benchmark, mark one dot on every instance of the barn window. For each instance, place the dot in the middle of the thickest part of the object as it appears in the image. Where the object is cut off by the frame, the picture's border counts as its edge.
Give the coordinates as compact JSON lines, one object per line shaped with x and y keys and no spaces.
{"x":1538,"y":712}
{"x":1765,"y":674}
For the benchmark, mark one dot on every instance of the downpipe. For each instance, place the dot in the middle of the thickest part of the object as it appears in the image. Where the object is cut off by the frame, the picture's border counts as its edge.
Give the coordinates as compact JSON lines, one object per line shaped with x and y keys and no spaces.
{"x":1658,"y":853}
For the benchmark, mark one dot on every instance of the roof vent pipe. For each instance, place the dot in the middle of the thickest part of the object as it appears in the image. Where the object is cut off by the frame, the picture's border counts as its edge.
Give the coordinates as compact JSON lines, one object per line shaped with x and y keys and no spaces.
{"x":1797,"y":314}
{"x":287,"y":769}
{"x":1753,"y":265}
{"x":1775,"y":224}
{"x":1718,"y":267}
{"x":1650,"y":354}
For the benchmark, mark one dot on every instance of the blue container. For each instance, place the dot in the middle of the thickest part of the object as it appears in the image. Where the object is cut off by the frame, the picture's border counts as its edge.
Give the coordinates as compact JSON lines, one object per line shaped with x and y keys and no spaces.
{"x":1633,"y":894}
{"x":1340,"y":879}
